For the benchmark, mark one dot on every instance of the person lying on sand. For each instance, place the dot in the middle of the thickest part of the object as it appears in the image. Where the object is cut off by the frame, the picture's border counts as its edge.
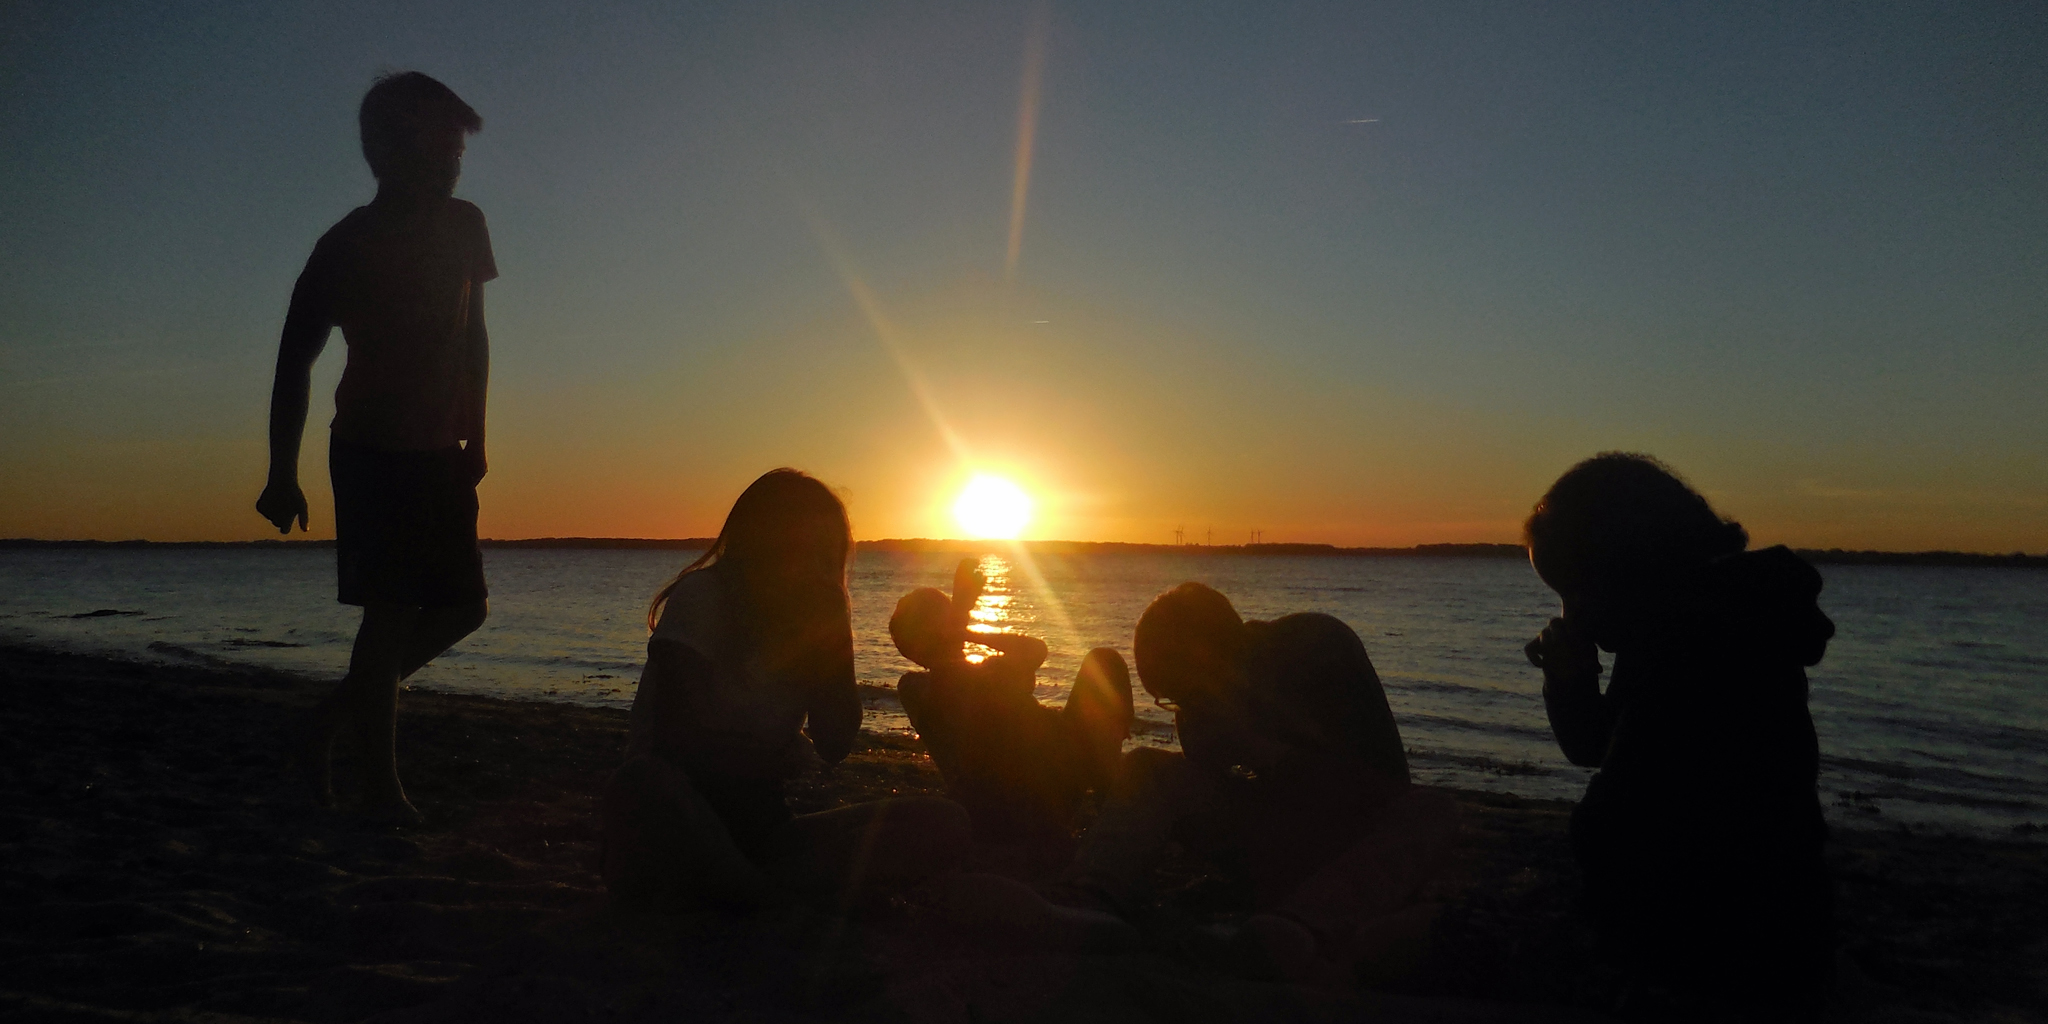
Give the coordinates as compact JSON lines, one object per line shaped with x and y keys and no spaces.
{"x":1292,"y":772}
{"x":749,"y":681}
{"x":1700,"y":837}
{"x":1019,"y":767}
{"x":403,"y":278}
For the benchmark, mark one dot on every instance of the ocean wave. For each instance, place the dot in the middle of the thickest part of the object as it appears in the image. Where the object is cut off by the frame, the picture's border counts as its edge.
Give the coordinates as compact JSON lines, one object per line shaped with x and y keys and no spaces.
{"x":1538,"y":733}
{"x":1939,"y":798}
{"x":1405,"y":684}
{"x":2000,"y":789}
{"x":178,"y":651}
{"x":1481,"y":763}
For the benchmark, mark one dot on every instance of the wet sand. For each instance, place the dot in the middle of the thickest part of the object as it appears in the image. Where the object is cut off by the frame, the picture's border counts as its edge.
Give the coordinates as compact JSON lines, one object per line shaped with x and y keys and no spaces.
{"x":158,"y":864}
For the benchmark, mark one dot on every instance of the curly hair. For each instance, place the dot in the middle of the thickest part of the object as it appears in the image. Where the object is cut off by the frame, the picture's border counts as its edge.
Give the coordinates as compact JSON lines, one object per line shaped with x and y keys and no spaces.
{"x":1622,"y":521}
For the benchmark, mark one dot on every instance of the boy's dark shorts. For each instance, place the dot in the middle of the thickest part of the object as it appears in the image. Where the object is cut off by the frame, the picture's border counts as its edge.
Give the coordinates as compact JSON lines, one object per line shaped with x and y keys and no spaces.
{"x":405,"y":527}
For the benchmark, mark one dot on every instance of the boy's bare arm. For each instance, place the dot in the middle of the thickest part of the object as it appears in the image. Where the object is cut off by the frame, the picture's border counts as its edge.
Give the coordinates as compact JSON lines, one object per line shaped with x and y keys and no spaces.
{"x":1027,"y":651}
{"x":968,"y":585}
{"x":480,"y":373}
{"x":305,"y":335}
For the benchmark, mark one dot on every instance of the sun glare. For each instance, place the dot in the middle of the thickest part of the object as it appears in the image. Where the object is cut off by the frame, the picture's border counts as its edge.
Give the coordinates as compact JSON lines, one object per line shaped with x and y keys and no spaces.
{"x":992,"y":508}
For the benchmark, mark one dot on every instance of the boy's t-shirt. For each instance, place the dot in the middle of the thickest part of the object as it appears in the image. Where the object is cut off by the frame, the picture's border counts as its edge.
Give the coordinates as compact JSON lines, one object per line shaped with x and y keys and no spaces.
{"x":1007,"y":758}
{"x":401,"y":290}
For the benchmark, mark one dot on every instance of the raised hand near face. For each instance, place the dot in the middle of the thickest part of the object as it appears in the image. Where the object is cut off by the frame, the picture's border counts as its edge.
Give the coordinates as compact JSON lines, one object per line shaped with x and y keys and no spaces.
{"x":1563,"y":652}
{"x":968,"y":586}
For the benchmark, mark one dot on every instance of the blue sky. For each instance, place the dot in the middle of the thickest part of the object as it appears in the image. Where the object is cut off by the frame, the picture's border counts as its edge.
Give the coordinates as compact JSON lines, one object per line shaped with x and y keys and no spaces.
{"x":1800,"y":253}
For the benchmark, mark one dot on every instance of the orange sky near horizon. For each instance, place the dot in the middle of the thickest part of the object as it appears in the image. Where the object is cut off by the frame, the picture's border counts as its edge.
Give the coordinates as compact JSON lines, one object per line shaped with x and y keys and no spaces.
{"x":1111,"y":447}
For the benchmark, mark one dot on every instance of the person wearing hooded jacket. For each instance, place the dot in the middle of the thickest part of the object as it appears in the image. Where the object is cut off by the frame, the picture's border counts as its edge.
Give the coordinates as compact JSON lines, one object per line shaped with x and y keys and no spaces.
{"x":1700,"y":838}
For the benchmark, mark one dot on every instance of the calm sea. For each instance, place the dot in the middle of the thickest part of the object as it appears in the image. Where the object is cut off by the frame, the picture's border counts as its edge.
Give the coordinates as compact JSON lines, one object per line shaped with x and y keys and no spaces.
{"x":1932,"y":704}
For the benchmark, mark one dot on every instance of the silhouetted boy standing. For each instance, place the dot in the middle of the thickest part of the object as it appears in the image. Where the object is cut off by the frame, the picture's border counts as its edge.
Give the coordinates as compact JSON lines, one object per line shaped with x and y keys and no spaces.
{"x":403,"y":279}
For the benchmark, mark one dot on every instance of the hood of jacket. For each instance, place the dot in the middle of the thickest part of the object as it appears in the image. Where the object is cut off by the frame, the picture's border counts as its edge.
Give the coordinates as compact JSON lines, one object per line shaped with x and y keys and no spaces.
{"x":1756,"y":607}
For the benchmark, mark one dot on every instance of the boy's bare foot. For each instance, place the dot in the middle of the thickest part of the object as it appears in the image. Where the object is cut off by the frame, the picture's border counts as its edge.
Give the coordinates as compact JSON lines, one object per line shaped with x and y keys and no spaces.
{"x":312,"y":757}
{"x":1009,"y":909}
{"x":1290,"y":951}
{"x":396,"y":811}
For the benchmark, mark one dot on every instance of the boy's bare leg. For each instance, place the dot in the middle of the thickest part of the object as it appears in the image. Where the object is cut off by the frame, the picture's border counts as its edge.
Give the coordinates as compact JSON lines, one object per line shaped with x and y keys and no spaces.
{"x":436,"y":630}
{"x":371,"y":686}
{"x":1154,"y":790}
{"x":393,"y":642}
{"x":850,"y":855}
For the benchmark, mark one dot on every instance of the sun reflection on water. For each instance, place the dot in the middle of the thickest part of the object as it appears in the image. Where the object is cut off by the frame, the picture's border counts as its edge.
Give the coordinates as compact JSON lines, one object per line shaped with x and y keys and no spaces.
{"x":998,"y":610}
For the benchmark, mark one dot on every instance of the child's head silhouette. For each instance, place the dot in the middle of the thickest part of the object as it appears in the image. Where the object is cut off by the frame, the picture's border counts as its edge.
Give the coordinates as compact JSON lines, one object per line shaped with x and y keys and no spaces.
{"x":922,"y":627}
{"x":1188,"y":644}
{"x":413,"y":129}
{"x":1619,"y":523}
{"x":782,"y":551}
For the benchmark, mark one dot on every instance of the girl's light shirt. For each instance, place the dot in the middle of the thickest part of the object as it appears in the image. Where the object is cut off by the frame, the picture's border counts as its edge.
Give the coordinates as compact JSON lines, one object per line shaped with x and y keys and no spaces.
{"x":744,"y":719}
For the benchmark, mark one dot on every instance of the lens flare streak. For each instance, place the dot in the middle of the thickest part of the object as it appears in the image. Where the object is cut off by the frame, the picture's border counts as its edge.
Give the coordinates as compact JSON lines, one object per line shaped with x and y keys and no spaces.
{"x":1027,"y":137}
{"x":886,"y":333}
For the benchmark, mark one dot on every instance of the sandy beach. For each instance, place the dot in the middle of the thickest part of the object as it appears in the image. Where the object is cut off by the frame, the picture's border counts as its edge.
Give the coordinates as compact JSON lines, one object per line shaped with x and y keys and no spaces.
{"x":161,"y":865}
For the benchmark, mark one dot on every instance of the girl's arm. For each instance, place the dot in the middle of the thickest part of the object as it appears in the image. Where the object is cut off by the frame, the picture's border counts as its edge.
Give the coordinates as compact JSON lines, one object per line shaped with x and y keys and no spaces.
{"x":1581,"y":717}
{"x":658,"y":720}
{"x":835,"y":706}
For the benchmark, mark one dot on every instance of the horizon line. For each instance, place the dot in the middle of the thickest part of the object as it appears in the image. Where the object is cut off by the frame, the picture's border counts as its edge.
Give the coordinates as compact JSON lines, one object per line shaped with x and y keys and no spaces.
{"x":1478,"y":549}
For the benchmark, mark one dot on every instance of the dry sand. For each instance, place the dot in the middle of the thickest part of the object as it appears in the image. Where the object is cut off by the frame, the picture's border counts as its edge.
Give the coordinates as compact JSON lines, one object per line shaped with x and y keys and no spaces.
{"x":158,"y":864}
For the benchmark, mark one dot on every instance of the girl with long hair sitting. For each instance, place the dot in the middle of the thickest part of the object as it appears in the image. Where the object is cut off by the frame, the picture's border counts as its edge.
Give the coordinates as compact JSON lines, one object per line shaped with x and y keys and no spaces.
{"x":749,"y":682}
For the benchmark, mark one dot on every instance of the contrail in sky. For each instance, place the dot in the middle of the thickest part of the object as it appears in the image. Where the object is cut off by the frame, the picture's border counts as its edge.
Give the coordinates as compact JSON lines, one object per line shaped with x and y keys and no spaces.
{"x":885,"y":332}
{"x":1027,"y":133}
{"x":1363,"y":120}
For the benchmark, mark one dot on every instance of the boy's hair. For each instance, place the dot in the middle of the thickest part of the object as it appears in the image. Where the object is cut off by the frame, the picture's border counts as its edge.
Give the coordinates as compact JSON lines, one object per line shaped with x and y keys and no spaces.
{"x":1181,"y":637}
{"x":919,"y":625}
{"x":397,"y":106}
{"x":1622,"y":521}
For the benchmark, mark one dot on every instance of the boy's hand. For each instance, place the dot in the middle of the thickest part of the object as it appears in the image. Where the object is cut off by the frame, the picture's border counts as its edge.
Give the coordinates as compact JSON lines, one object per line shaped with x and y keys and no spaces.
{"x":1561,"y":652}
{"x":282,"y":502}
{"x":473,"y":460}
{"x":968,"y":585}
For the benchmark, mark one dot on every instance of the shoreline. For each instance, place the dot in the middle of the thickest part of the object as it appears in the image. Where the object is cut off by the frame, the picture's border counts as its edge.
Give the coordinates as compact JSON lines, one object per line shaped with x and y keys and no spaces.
{"x":1874,"y":809}
{"x":1817,"y":556}
{"x":163,"y":867}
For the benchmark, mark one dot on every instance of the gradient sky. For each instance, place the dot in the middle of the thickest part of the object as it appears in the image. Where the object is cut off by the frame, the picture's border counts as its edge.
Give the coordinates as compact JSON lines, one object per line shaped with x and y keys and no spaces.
{"x":1798,"y":251}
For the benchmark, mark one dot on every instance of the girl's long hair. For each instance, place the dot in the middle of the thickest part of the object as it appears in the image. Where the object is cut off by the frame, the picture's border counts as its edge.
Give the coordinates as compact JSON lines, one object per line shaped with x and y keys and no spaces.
{"x":770,"y":518}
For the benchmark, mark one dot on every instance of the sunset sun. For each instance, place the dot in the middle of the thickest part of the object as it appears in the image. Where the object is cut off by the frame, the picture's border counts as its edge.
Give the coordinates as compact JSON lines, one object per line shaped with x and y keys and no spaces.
{"x":992,"y":508}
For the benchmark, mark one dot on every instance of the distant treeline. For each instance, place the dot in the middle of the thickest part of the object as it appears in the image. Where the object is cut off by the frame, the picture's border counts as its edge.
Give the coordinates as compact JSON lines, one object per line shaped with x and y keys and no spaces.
{"x":19,"y":542}
{"x":1083,"y":547}
{"x":1837,"y":556}
{"x":606,"y":543}
{"x":1828,"y":556}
